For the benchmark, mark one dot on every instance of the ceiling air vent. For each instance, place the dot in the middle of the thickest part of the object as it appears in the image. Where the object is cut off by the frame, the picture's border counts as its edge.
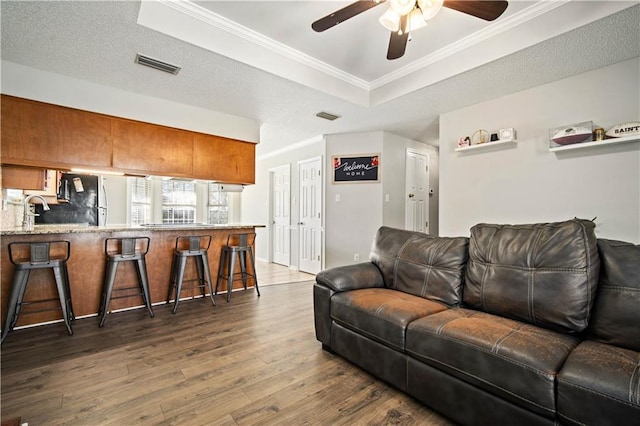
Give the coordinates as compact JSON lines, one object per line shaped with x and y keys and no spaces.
{"x":156,"y":64}
{"x":327,"y":116}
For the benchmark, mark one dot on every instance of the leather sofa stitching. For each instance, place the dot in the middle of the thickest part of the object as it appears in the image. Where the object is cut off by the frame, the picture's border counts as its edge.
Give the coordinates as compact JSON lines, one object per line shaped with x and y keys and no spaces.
{"x":528,"y":269}
{"x":531,"y":260}
{"x":509,"y":360}
{"x":466,"y":373}
{"x":571,"y":419}
{"x":603,"y":395}
{"x":590,"y":284}
{"x":496,"y":345}
{"x":397,"y":260}
{"x":634,"y":390}
{"x":367,"y":334}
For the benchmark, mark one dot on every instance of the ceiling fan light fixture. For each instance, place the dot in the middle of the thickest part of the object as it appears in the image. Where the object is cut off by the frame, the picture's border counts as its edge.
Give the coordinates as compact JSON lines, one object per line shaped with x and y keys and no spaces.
{"x":416,"y":21}
{"x":390,"y":20}
{"x":430,"y":8}
{"x":403,"y":7}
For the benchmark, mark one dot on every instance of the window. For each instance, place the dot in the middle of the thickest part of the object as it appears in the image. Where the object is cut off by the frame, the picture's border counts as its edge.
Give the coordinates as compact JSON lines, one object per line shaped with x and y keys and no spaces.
{"x":140,"y":200}
{"x":218,"y":205}
{"x":178,"y":201}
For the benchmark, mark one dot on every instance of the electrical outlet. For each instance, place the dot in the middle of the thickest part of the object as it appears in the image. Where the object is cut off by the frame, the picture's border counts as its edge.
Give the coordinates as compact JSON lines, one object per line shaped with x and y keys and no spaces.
{"x":356,"y":257}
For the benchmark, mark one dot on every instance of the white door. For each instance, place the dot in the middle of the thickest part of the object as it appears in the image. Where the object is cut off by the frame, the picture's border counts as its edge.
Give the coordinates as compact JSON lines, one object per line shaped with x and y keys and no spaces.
{"x":281,"y":215}
{"x":417,"y":192}
{"x":310,"y":224}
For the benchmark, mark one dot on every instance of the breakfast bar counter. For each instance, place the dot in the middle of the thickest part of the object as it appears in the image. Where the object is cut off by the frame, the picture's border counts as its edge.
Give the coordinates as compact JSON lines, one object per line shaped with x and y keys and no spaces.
{"x":86,"y":264}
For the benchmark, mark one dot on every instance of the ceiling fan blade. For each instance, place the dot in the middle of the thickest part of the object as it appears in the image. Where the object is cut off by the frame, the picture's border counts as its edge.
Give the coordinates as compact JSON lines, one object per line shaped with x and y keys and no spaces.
{"x":398,"y":41}
{"x":343,"y":14}
{"x":483,"y":9}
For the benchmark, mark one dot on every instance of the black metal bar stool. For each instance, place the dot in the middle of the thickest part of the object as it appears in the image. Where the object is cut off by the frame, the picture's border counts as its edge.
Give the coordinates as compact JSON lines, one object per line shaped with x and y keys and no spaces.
{"x":40,"y":257}
{"x":238,"y":245}
{"x":197,"y":247}
{"x":119,"y":250}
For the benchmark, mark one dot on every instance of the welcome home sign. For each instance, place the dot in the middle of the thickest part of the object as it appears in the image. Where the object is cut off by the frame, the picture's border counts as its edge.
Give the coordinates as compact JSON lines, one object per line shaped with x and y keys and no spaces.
{"x":361,"y":168}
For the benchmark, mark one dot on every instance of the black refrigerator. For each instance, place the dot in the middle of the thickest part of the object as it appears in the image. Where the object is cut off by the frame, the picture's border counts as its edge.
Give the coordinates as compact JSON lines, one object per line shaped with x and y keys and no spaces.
{"x":82,"y":200}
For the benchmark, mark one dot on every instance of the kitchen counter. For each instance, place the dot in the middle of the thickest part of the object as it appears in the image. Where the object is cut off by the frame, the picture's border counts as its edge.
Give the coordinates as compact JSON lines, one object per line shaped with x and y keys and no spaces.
{"x":84,"y":228}
{"x":86,"y":264}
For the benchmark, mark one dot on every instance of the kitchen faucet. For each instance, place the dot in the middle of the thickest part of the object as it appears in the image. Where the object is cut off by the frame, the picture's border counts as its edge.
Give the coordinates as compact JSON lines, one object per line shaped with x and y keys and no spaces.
{"x":29,"y":216}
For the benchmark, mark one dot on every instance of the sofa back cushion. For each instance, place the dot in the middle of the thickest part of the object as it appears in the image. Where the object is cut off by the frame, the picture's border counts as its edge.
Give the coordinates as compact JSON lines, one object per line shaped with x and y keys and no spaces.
{"x":544,"y":274}
{"x":616,"y":313}
{"x":421,"y":264}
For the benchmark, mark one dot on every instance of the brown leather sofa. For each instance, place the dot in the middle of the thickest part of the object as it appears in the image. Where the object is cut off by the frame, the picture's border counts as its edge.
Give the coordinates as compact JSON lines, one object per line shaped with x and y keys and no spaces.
{"x":517,"y":324}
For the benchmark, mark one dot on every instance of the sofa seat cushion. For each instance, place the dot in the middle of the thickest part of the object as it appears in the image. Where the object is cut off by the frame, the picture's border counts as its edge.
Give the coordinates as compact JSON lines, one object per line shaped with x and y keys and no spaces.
{"x":381,"y":314}
{"x":600,"y":384}
{"x":511,"y":359}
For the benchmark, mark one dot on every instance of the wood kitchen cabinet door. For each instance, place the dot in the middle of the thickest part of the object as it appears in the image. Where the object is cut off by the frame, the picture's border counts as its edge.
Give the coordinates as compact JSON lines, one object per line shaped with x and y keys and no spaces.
{"x":86,"y":138}
{"x":40,"y":134}
{"x":224,"y":160}
{"x":152,"y":149}
{"x":18,"y":177}
{"x":25,"y":133}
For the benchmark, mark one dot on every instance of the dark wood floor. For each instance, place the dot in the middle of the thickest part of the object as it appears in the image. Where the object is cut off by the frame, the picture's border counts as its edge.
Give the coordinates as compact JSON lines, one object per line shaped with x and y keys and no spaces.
{"x":251,"y":361}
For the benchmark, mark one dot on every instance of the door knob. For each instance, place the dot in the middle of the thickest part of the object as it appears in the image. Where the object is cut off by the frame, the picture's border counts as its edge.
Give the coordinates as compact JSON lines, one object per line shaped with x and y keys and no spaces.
{"x":411,"y":195}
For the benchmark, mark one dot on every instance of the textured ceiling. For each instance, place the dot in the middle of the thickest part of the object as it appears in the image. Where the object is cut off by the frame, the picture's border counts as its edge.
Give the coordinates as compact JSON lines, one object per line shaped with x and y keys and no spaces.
{"x":97,"y":41}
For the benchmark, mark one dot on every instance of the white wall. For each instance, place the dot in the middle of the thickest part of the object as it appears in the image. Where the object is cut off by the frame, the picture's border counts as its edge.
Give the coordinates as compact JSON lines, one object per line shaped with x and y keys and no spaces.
{"x":30,"y":83}
{"x":527,"y":183}
{"x":351,"y":223}
{"x":394,"y":167}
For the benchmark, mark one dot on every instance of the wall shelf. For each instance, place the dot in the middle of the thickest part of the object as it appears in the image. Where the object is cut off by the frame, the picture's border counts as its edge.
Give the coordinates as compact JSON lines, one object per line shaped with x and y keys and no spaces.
{"x":485,"y":145}
{"x":584,"y":145}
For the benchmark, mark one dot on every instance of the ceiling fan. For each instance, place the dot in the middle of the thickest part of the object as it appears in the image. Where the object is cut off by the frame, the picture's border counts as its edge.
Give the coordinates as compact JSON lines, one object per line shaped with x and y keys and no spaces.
{"x":404,"y":16}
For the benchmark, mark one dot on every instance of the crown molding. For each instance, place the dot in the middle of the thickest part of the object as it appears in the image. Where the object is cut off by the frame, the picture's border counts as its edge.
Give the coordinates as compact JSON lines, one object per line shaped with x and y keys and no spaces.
{"x":231,"y":27}
{"x":471,"y":40}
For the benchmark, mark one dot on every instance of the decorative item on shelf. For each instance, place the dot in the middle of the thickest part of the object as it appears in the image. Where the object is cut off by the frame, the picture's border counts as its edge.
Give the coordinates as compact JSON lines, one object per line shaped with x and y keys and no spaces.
{"x":598,"y":134}
{"x":573,"y":133}
{"x":464,"y":142}
{"x":479,"y":137}
{"x":494,"y":137}
{"x":507,"y":135}
{"x":625,"y":129}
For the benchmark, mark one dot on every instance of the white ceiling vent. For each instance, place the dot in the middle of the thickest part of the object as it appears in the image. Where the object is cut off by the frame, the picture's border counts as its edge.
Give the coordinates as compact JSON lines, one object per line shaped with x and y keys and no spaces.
{"x":327,"y":115}
{"x":156,"y":64}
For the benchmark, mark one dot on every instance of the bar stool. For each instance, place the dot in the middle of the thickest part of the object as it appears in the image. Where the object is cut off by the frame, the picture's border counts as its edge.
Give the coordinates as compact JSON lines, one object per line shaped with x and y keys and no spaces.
{"x":237,"y":247}
{"x":119,"y":250}
{"x":39,"y":258}
{"x":197,"y":247}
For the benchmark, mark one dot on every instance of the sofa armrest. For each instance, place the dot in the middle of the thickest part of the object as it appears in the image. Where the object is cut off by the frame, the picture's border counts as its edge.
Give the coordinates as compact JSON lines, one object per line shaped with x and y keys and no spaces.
{"x":351,"y":277}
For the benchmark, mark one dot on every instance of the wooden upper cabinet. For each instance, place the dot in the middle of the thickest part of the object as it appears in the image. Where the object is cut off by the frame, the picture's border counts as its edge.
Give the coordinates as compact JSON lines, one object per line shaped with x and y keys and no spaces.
{"x":86,"y":138}
{"x":222,"y":159}
{"x":151,"y":149}
{"x":18,"y":177}
{"x":49,"y":136}
{"x":36,"y":134}
{"x":25,"y":136}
